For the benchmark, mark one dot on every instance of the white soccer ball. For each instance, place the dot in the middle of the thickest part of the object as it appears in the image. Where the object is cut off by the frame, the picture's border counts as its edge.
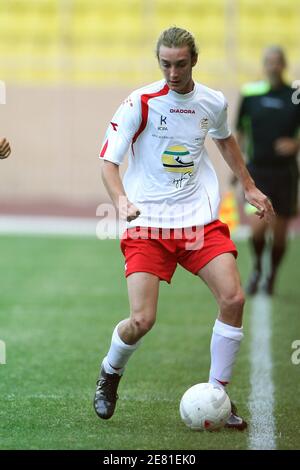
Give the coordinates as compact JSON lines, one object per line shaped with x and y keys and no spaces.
{"x":205,"y":407}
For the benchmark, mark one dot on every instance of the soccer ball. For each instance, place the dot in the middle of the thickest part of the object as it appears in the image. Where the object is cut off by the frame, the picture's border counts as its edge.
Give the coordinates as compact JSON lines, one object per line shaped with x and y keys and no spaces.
{"x":205,"y":407}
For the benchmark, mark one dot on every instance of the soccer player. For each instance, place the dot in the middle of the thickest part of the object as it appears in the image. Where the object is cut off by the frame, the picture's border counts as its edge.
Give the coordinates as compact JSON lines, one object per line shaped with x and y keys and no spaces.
{"x":172,"y":195}
{"x":5,"y":149}
{"x":268,"y":122}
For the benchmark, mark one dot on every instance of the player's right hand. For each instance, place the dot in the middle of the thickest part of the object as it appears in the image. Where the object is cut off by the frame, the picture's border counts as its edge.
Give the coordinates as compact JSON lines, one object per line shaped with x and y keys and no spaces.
{"x":5,"y":149}
{"x":128,"y":211}
{"x":263,"y":205}
{"x":132,"y":212}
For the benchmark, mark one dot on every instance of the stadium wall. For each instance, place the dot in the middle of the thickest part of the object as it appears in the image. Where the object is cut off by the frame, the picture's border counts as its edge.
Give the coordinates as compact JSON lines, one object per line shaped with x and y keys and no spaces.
{"x":56,"y":133}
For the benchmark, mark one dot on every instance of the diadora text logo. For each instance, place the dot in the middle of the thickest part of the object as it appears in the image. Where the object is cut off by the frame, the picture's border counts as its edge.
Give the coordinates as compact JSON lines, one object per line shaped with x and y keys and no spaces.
{"x":182,"y":111}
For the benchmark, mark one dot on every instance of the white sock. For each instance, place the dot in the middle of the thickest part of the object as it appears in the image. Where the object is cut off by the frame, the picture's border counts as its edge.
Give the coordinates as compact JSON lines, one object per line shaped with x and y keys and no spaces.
{"x":224,"y":346}
{"x":118,"y":354}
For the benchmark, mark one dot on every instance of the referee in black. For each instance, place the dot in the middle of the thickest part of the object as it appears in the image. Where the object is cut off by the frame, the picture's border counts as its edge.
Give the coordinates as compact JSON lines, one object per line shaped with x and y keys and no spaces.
{"x":268,"y":127}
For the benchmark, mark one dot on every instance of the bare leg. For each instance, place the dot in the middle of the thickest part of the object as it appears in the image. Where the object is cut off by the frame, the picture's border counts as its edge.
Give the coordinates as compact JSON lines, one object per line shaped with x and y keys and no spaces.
{"x":143,"y":291}
{"x":143,"y":294}
{"x":257,"y":242}
{"x":222,"y":277}
{"x":280,"y":232}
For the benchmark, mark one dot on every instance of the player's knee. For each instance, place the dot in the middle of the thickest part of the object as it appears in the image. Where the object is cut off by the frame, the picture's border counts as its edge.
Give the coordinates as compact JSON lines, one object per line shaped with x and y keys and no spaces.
{"x":233,"y":302}
{"x":142,"y":324}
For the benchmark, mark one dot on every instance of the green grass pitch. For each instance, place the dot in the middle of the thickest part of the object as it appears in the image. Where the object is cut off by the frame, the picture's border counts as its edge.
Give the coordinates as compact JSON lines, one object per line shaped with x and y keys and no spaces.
{"x":61,"y":298}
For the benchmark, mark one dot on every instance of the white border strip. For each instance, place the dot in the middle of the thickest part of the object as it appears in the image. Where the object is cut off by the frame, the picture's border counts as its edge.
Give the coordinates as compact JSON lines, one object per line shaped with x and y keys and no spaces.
{"x":41,"y":225}
{"x":261,"y":400}
{"x":72,"y":226}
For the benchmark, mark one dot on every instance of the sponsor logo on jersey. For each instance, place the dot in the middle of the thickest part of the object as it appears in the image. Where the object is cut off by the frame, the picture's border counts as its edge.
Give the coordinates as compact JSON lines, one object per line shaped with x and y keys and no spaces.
{"x":114,"y":126}
{"x":182,"y":111}
{"x":163,"y":123}
{"x":177,"y":159}
{"x":128,"y":101}
{"x":269,"y":102}
{"x":204,"y":123}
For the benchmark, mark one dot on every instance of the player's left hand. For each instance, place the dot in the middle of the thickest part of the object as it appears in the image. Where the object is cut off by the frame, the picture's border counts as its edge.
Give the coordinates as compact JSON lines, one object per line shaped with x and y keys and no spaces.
{"x":262,"y":203}
{"x":286,"y":146}
{"x":5,"y":149}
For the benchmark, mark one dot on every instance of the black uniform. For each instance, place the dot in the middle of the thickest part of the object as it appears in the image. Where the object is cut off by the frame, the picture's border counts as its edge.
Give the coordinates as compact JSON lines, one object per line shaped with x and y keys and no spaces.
{"x":266,"y":115}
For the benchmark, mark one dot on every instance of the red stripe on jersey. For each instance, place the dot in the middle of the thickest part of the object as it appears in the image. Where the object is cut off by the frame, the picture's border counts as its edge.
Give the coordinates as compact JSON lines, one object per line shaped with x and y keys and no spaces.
{"x":104,"y":148}
{"x":145,"y":110}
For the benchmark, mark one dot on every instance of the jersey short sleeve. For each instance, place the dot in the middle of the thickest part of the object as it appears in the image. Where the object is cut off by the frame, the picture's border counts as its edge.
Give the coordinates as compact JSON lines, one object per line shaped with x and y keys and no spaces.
{"x":220,"y":128}
{"x":121,"y":131}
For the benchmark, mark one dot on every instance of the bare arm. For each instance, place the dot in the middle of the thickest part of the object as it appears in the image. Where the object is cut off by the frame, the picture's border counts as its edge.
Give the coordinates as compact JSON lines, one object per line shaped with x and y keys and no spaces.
{"x":112,"y":181}
{"x":233,"y":157}
{"x":240,"y":138}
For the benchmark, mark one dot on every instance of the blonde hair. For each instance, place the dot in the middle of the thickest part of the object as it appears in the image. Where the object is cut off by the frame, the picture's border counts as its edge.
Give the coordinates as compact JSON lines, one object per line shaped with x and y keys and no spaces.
{"x":177,"y":37}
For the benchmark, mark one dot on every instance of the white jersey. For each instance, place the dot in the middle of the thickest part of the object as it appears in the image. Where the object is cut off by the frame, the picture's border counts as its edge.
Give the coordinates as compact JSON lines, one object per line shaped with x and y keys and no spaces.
{"x":170,"y":178}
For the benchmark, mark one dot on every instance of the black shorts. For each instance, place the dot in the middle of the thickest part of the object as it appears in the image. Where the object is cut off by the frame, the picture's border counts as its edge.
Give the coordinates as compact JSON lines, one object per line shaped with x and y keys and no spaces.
{"x":280,"y":184}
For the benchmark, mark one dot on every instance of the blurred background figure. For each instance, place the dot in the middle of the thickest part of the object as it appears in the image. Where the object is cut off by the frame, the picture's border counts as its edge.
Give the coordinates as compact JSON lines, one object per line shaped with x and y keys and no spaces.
{"x":268,"y":129}
{"x":4,"y":148}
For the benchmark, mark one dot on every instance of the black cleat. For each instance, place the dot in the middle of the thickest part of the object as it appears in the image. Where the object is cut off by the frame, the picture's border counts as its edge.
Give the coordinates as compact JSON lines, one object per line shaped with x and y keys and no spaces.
{"x":268,"y":286}
{"x":106,"y":394}
{"x":252,"y":284}
{"x":235,"y":421}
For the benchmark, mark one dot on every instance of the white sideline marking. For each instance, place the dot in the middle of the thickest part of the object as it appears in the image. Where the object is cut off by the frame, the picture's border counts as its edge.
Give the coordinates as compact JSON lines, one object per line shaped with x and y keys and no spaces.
{"x":73,"y":226}
{"x":261,"y":400}
{"x":42,"y":225}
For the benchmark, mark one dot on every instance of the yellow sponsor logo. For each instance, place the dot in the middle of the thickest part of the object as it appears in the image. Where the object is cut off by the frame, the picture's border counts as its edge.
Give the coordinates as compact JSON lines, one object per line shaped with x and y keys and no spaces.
{"x":177,"y":159}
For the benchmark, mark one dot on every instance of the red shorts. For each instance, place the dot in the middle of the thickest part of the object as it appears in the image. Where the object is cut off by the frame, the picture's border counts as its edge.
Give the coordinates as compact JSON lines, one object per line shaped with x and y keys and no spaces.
{"x":157,"y":251}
